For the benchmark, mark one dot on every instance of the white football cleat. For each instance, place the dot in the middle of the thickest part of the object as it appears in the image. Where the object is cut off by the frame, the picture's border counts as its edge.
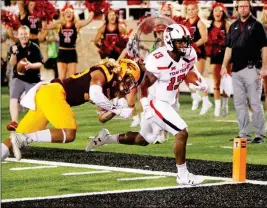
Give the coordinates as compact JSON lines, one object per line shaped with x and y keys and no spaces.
{"x":99,"y":140}
{"x":19,"y":141}
{"x":196,"y":102}
{"x":190,"y":179}
{"x":205,"y":108}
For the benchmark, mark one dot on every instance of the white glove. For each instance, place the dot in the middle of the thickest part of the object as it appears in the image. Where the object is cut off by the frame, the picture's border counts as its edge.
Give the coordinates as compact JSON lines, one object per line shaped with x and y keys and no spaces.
{"x":123,"y":112}
{"x":148,"y":112}
{"x":122,"y":103}
{"x":200,"y":87}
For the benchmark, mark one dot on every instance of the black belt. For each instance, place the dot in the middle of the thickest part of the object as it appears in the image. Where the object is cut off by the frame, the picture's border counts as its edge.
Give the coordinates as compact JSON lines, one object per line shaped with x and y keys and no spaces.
{"x":257,"y":64}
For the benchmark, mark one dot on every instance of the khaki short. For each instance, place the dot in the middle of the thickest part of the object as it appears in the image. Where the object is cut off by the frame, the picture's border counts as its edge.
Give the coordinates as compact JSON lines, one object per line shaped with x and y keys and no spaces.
{"x":17,"y":87}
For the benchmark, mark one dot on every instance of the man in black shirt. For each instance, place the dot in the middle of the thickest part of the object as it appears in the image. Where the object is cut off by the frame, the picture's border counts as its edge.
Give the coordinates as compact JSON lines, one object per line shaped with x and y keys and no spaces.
{"x":22,"y":83}
{"x":246,"y":48}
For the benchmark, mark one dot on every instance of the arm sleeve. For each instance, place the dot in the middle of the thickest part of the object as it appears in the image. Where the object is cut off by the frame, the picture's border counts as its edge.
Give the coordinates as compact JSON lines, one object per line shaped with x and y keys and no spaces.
{"x":97,"y":96}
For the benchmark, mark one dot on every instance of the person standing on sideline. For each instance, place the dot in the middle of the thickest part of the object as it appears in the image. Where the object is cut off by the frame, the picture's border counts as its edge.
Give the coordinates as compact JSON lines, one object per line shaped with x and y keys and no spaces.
{"x":246,"y":47}
{"x":200,"y":37}
{"x":264,"y":22}
{"x":215,"y":49}
{"x":68,"y":25}
{"x":20,"y":83}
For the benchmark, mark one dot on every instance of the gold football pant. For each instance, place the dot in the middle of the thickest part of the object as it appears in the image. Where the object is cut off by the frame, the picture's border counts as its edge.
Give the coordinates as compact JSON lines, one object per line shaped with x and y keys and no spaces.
{"x":51,"y":106}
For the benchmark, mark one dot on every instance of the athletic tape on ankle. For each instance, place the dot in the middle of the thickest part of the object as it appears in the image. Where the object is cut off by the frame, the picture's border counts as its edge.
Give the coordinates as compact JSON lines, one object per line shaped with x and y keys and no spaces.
{"x":64,"y":136}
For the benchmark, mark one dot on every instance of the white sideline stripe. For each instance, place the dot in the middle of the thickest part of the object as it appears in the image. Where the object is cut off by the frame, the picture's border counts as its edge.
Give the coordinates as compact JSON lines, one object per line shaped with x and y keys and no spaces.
{"x":4,"y":162}
{"x":35,"y":167}
{"x":126,"y":170}
{"x":227,"y":121}
{"x":99,"y":167}
{"x":140,"y":178}
{"x":85,"y":173}
{"x":226,"y":147}
{"x":115,"y":192}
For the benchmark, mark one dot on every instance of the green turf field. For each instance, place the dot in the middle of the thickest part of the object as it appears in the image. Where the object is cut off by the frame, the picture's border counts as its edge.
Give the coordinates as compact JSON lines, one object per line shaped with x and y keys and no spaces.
{"x":208,"y":138}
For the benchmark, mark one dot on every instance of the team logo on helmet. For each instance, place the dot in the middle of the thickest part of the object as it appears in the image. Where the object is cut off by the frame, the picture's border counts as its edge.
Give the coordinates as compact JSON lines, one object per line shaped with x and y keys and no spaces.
{"x":129,"y":75}
{"x":177,"y":33}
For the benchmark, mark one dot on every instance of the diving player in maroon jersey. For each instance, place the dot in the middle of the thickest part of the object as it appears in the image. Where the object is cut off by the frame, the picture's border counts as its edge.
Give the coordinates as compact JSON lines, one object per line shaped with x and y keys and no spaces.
{"x":52,"y":103}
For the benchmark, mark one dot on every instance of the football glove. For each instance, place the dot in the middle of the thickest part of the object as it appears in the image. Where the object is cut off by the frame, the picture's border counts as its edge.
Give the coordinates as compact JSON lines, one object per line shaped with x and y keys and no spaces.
{"x":123,"y":112}
{"x":200,"y":87}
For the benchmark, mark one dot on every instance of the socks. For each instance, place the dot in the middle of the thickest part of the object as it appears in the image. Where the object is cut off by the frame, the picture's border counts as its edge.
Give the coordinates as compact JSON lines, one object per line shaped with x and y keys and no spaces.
{"x":224,"y":102}
{"x":182,"y":170}
{"x":205,"y":99}
{"x":41,"y":136}
{"x":112,"y":139}
{"x":5,"y":152}
{"x":194,"y":95}
{"x":218,"y":103}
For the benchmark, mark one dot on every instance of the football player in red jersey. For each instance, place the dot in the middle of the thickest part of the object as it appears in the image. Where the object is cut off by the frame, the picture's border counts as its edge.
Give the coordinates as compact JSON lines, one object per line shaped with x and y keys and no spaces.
{"x":51,"y":103}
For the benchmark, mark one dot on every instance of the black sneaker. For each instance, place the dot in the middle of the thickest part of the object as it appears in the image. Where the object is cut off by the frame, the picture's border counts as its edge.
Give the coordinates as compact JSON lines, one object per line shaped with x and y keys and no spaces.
{"x":258,"y":140}
{"x":248,"y":137}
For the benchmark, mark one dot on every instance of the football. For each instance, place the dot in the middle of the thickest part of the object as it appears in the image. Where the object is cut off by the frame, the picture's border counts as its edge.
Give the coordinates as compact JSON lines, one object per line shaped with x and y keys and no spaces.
{"x":21,"y":66}
{"x":191,"y":77}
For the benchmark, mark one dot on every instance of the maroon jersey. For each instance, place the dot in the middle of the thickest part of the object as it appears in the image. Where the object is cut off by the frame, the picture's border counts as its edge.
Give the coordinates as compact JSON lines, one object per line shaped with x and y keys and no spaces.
{"x":77,"y":86}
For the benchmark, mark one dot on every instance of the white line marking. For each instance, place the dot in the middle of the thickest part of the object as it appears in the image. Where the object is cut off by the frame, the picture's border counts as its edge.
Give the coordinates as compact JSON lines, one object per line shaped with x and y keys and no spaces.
{"x":140,"y":178}
{"x":228,"y":121}
{"x":85,"y":173}
{"x":35,"y":167}
{"x":4,"y":162}
{"x":226,"y":147}
{"x":227,"y":180}
{"x":99,"y":167}
{"x":115,"y":192}
{"x":126,"y":170}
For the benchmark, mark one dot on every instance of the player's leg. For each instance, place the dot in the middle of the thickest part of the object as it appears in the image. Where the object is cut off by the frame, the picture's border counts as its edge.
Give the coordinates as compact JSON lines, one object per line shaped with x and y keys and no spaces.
{"x":148,"y":134}
{"x":33,"y":121}
{"x":169,"y":119}
{"x":58,"y":112}
{"x":51,"y":103}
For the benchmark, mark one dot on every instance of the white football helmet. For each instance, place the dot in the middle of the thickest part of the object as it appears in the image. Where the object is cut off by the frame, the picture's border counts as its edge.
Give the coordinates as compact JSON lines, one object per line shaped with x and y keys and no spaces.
{"x":177,"y":32}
